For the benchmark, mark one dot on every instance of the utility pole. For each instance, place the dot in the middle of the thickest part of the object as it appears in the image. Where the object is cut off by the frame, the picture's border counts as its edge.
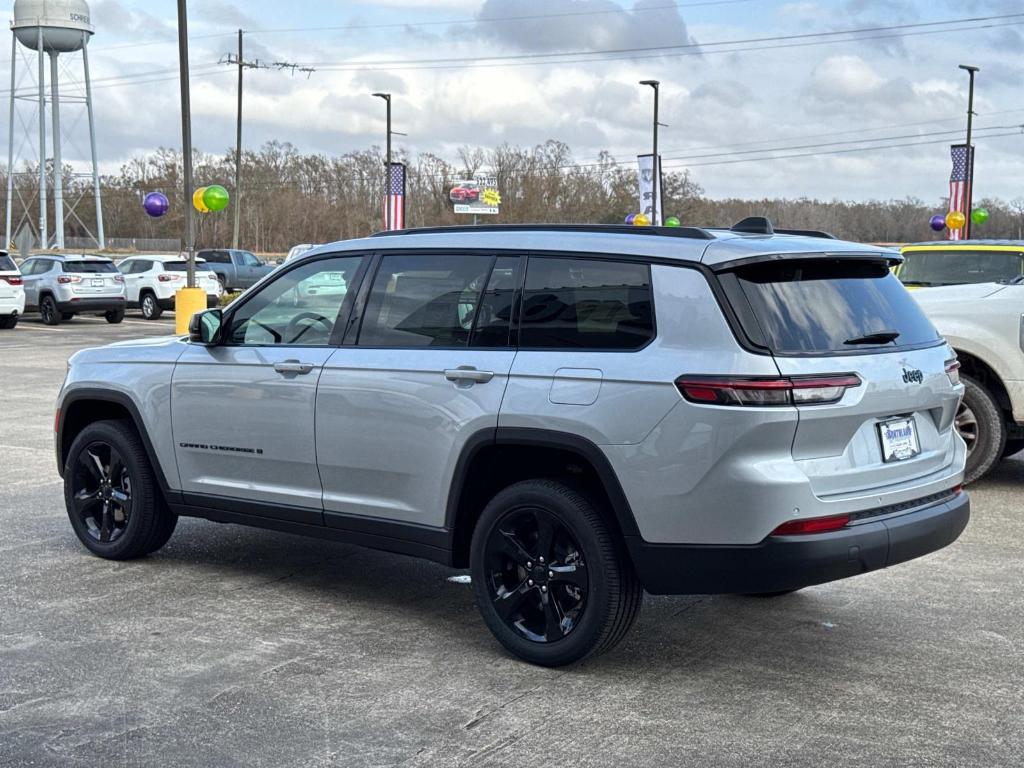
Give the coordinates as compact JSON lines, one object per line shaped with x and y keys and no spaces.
{"x":655,"y":164}
{"x":387,"y":163}
{"x":186,"y":139}
{"x":969,"y":200}
{"x":238,"y":149}
{"x":239,"y":61}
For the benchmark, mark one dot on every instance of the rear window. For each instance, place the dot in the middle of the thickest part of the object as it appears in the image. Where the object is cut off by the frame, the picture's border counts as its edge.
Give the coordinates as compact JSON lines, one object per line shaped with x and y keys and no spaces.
{"x":955,"y":267}
{"x":181,"y":266}
{"x":820,"y":306}
{"x":79,"y":267}
{"x":7,"y":264}
{"x":217,"y":257}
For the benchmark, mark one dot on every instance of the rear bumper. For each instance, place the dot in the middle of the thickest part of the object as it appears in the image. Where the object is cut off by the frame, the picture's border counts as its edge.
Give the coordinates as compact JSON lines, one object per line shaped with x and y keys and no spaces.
{"x":92,"y":304}
{"x":782,"y":563}
{"x":12,"y":305}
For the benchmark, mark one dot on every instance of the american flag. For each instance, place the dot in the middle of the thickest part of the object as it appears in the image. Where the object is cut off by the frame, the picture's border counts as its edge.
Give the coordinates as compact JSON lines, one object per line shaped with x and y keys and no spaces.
{"x":395,"y":197}
{"x":959,"y":185}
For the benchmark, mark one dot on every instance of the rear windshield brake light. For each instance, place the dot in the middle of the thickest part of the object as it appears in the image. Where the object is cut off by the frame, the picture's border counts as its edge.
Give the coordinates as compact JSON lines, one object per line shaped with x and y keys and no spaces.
{"x":738,"y":390}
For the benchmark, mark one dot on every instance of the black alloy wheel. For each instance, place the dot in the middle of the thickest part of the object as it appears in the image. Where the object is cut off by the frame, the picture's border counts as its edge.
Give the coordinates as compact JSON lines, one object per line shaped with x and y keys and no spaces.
{"x":111,"y":493}
{"x":552,"y":579}
{"x":103,"y":492}
{"x":48,"y":311}
{"x":536,"y":575}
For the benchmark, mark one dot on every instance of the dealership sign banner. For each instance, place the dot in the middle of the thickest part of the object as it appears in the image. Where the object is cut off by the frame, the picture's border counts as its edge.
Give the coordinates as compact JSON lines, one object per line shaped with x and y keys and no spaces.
{"x":476,"y":196}
{"x":647,"y":175}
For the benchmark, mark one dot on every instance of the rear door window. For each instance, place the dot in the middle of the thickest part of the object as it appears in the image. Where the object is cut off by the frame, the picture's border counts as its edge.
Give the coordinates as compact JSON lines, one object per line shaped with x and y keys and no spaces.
{"x":88,"y":265}
{"x":957,"y":267}
{"x":586,"y":304}
{"x":424,"y":300}
{"x":826,"y":306}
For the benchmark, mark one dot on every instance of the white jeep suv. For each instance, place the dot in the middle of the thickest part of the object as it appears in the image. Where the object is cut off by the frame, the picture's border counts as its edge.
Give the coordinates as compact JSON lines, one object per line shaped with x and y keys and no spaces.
{"x":151,"y":282}
{"x":12,"y":292}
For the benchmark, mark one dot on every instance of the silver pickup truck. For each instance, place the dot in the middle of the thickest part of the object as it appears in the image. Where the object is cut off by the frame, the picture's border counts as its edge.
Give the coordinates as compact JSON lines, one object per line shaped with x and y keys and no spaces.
{"x":236,"y":270}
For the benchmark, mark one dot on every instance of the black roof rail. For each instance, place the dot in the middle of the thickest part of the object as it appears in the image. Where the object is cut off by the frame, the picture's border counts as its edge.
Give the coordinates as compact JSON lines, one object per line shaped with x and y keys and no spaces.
{"x":754,"y":225}
{"x":806,"y":233}
{"x":693,"y":233}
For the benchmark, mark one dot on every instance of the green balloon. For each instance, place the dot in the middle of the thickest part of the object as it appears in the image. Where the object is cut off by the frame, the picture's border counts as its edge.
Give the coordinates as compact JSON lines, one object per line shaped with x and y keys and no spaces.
{"x":672,"y":221}
{"x":979,"y":215}
{"x":216,"y":197}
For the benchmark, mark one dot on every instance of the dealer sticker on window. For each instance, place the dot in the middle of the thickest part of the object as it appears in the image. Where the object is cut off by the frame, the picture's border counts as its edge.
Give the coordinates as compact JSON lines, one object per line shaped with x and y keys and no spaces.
{"x":899,"y":439}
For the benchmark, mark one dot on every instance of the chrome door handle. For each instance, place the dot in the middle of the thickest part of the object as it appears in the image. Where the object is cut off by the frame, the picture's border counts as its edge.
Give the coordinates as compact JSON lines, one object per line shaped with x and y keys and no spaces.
{"x":293,"y":366}
{"x":468,"y":373}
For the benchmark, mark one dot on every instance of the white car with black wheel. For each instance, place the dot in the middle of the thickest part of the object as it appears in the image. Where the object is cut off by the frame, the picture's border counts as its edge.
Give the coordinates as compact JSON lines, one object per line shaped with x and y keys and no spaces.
{"x":151,"y":282}
{"x":12,"y":292}
{"x":984,"y":323}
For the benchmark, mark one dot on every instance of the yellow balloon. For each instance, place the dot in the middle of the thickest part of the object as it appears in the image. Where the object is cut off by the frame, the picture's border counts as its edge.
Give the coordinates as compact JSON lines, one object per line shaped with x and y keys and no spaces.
{"x":197,"y":200}
{"x":641,"y":220}
{"x":955,"y":220}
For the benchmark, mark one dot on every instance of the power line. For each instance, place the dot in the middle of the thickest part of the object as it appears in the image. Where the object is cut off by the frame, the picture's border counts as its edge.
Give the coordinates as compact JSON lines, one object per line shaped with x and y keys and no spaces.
{"x":697,"y":48}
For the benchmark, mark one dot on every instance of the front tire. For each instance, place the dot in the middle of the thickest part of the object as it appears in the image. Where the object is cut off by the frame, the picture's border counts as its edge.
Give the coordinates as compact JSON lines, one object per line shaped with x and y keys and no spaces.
{"x":48,"y":311}
{"x":111,"y":495}
{"x":980,"y":423}
{"x":114,"y":316}
{"x":551,"y":581}
{"x":150,"y":307}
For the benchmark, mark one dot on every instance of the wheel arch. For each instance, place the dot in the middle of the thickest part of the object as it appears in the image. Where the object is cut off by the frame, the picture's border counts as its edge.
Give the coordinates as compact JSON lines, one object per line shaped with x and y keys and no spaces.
{"x":81,"y":407}
{"x":493,"y":459}
{"x":974,"y":366}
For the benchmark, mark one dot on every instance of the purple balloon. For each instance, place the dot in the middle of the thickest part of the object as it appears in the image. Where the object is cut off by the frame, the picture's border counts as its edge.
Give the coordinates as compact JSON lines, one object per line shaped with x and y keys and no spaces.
{"x":937,"y":222}
{"x":156,"y":204}
{"x":629,"y":219}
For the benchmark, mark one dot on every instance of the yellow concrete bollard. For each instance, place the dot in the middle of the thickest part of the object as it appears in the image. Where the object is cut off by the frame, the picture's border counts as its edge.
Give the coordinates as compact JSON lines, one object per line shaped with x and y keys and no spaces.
{"x":187,"y":301}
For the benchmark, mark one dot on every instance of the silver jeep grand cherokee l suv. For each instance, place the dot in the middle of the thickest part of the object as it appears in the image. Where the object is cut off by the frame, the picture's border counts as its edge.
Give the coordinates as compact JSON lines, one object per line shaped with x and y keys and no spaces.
{"x":576,"y":413}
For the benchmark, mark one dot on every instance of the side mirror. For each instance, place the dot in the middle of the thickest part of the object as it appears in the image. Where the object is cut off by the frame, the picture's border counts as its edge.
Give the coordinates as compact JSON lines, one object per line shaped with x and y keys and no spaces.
{"x":205,"y":327}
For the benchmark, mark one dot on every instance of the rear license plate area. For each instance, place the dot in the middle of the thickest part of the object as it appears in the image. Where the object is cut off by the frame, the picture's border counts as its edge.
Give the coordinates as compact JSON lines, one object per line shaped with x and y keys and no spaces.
{"x":96,"y":282}
{"x":899,"y":440}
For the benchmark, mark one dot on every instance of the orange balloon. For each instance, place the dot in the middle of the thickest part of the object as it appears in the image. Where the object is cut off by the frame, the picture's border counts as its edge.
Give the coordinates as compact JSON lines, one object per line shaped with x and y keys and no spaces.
{"x":955,"y":220}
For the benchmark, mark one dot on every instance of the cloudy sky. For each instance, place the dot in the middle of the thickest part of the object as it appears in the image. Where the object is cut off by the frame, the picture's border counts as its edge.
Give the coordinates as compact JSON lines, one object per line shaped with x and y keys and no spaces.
{"x":757,"y":103}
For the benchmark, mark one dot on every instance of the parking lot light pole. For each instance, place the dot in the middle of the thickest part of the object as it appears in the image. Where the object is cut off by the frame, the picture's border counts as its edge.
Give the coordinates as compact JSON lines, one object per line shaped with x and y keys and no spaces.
{"x":187,"y":300}
{"x":655,"y":165}
{"x":969,"y":200}
{"x":387,"y":162}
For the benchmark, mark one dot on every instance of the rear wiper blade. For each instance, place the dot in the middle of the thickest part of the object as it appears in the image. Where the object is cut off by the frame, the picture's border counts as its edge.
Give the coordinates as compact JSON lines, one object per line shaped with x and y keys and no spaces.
{"x":878,"y":337}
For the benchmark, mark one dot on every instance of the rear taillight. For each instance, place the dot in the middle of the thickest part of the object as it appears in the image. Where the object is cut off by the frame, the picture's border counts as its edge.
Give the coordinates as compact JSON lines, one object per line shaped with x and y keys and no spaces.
{"x":793,"y":390}
{"x":11,"y":279}
{"x":169,"y":278}
{"x":812,"y":525}
{"x":56,"y":421}
{"x":65,"y":279}
{"x":953,"y":371}
{"x":118,"y":278}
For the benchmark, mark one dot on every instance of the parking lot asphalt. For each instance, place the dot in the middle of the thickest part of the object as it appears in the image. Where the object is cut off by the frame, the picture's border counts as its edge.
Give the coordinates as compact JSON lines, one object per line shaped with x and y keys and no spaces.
{"x":238,"y":647}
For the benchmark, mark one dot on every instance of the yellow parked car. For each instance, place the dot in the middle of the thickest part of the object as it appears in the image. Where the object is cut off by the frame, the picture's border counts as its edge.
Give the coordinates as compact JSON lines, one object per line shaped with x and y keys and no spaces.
{"x":957,"y":262}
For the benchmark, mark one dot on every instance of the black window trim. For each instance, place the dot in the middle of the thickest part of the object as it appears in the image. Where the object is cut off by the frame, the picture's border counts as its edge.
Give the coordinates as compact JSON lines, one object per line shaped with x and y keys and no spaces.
{"x":343,"y":318}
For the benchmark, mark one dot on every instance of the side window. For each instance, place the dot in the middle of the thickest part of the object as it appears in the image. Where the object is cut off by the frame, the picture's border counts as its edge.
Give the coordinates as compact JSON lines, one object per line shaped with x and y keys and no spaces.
{"x":28,"y":267}
{"x":424,"y":301}
{"x":131,"y":268}
{"x":249,"y":259}
{"x":586,"y":304}
{"x":300,"y":307}
{"x":494,"y":317}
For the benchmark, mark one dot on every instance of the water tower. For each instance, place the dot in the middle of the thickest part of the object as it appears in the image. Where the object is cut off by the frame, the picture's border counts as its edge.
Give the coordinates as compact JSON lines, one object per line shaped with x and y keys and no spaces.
{"x":49,"y":27}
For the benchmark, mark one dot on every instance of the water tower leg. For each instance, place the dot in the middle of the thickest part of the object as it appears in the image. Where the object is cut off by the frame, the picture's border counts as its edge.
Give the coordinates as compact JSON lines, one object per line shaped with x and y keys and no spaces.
{"x":58,"y":165}
{"x":101,"y":240}
{"x":43,"y":239}
{"x":10,"y":145}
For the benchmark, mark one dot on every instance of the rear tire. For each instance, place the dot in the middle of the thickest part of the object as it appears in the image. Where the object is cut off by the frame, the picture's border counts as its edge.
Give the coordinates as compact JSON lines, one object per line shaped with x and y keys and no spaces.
{"x":150,"y":308}
{"x":66,"y":316}
{"x":551,"y":581}
{"x":8,"y":322}
{"x":114,"y":316}
{"x":48,"y":311}
{"x":111,"y":494}
{"x":980,"y":422}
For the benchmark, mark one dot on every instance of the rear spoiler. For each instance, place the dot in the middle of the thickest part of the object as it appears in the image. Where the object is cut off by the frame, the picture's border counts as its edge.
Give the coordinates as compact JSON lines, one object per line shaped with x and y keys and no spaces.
{"x":892,"y":258}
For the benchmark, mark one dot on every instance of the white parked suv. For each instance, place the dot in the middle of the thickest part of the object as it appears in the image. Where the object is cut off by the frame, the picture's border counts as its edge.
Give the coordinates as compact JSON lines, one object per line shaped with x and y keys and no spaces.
{"x":62,"y":285}
{"x":12,"y":292}
{"x":984,"y":323}
{"x":574,"y":413}
{"x":151,"y":282}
